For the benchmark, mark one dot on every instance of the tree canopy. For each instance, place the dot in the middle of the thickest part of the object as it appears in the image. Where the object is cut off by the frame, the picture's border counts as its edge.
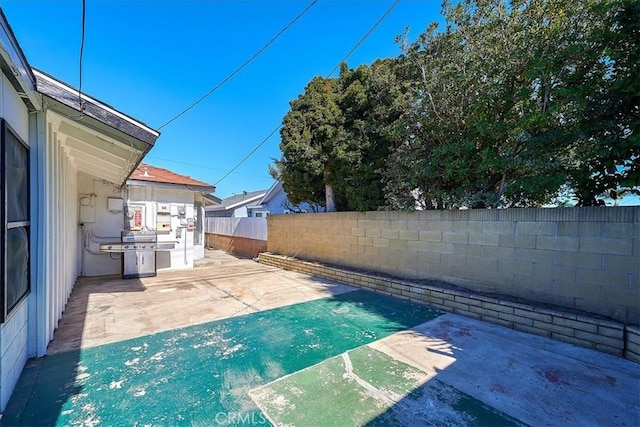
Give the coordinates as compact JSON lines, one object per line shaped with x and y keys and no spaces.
{"x":506,"y":105}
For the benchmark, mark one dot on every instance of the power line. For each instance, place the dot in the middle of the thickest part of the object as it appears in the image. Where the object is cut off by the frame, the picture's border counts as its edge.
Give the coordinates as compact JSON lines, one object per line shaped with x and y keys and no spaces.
{"x":257,"y":147}
{"x":200,"y":166}
{"x":353,"y":49}
{"x":241,"y":67}
{"x":367,"y":34}
{"x":82,"y":31}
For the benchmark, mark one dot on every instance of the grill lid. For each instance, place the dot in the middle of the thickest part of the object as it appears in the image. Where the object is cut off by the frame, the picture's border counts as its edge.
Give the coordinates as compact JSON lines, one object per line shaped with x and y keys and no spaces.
{"x":131,"y":236}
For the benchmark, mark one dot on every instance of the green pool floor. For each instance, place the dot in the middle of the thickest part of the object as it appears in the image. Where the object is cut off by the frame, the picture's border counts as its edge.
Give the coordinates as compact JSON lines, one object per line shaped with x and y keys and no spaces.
{"x":202,"y":375}
{"x":301,"y":365}
{"x":365,"y":387}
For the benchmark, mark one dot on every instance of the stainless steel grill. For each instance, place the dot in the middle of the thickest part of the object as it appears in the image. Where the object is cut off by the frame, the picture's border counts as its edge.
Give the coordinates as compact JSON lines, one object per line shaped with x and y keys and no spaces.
{"x":138,"y":249}
{"x":145,"y":240}
{"x":139,"y":253}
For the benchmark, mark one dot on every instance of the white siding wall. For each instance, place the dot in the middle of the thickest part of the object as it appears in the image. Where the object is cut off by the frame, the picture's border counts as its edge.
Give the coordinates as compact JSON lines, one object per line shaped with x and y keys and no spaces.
{"x":59,"y":233}
{"x":14,"y":331}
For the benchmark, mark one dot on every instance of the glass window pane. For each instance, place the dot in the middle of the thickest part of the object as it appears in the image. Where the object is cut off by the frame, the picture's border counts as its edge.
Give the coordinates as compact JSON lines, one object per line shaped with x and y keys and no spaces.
{"x":17,"y":265}
{"x":17,"y":162}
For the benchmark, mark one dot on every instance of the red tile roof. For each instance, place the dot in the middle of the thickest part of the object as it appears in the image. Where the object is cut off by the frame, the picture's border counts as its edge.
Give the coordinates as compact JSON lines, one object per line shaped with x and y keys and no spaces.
{"x":145,"y":172}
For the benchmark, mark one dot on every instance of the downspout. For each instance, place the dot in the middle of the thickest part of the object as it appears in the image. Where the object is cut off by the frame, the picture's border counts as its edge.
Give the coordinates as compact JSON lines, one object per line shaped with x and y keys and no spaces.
{"x":186,"y":261}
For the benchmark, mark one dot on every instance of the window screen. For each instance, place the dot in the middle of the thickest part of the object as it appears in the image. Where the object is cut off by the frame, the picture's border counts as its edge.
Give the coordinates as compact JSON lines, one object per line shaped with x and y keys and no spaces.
{"x":15,"y":220}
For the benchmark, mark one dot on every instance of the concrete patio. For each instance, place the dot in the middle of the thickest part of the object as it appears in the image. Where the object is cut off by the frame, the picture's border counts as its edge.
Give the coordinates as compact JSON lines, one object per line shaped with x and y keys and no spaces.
{"x":238,"y":343}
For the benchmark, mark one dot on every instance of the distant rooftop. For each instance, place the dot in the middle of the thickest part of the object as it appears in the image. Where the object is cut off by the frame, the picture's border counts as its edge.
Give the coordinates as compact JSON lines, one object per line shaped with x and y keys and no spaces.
{"x":238,"y":200}
{"x":153,"y":174}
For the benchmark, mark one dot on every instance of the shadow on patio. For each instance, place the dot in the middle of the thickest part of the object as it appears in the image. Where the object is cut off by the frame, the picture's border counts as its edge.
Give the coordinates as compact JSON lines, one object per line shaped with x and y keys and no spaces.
{"x":206,"y":345}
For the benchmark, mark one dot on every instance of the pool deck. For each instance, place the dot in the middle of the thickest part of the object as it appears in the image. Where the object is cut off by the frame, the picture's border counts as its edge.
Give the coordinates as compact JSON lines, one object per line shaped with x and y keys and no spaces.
{"x":442,"y":369}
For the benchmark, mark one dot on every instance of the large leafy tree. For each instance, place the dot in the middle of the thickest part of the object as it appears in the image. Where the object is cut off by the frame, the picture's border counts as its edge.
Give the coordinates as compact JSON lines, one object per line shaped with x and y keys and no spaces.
{"x":514,"y":99}
{"x":313,"y":145}
{"x":337,"y":136}
{"x":605,"y":93}
{"x":372,"y":100}
{"x":509,"y":102}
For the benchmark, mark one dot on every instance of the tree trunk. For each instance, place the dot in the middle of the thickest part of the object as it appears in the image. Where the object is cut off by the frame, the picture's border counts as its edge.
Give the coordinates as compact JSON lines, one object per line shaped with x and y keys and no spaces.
{"x":330,"y":202}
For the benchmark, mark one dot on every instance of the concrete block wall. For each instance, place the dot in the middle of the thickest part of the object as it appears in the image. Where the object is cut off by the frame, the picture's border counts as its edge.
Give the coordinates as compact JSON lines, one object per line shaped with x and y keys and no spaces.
{"x":583,"y":330}
{"x":633,"y":343}
{"x":585,"y":259}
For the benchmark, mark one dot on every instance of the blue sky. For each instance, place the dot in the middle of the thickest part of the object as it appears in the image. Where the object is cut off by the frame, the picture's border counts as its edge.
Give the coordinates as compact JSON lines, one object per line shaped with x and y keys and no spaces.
{"x":152,"y":59}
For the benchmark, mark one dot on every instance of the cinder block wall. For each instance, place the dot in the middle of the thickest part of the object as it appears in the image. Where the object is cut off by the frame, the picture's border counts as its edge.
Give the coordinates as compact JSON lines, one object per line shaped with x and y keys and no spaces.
{"x":578,"y":258}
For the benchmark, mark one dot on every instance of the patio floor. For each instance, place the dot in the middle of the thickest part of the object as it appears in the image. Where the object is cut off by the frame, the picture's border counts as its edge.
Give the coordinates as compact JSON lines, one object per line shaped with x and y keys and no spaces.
{"x":239,"y":343}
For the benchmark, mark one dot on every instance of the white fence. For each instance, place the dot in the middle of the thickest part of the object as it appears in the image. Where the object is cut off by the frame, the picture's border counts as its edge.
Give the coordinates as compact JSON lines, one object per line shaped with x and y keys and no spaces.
{"x":250,"y":228}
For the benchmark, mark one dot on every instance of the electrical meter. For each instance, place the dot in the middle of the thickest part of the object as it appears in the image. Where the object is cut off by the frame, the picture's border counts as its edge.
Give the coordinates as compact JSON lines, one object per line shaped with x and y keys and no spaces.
{"x":134,"y":217}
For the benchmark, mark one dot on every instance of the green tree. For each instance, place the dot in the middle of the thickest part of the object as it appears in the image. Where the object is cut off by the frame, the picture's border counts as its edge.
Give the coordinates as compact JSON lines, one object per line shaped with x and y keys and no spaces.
{"x":313,"y":145}
{"x":372,"y":99}
{"x":516,"y":98}
{"x":605,"y":93}
{"x":337,"y":136}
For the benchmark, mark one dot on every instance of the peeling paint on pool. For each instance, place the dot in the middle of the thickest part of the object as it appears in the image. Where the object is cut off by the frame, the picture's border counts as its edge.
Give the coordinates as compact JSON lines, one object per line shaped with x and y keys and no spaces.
{"x":202,"y":374}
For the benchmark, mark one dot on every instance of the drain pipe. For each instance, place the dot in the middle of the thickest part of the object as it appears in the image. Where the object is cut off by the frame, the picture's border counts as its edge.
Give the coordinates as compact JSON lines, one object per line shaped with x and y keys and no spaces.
{"x":82,"y":236}
{"x":186,"y":261}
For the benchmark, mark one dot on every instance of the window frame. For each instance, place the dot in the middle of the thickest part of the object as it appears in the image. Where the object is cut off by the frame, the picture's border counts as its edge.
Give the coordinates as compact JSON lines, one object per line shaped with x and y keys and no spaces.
{"x":5,"y":131}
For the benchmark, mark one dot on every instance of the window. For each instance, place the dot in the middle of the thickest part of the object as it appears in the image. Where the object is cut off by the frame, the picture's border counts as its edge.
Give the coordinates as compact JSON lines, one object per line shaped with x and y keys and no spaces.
{"x":15,"y":220}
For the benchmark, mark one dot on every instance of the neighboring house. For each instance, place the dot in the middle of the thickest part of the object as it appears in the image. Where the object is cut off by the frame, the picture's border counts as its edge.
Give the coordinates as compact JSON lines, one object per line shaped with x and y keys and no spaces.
{"x":212,"y":200}
{"x":162,"y":186}
{"x":275,"y":201}
{"x":235,"y":206}
{"x":169,"y":204}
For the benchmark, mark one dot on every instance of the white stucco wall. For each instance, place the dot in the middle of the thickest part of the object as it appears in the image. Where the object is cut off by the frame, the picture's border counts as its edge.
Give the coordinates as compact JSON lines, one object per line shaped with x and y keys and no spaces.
{"x":105,"y":228}
{"x":182,"y":255}
{"x":241,"y":212}
{"x":14,"y":331}
{"x":108,"y":225}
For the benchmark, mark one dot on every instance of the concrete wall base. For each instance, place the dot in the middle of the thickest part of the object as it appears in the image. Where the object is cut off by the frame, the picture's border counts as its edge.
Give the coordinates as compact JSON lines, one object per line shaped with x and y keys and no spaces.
{"x":236,"y":245}
{"x":576,"y":328}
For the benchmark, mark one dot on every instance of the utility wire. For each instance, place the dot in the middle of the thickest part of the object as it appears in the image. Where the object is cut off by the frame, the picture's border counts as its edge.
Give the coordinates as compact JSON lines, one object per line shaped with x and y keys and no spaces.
{"x":241,"y":67}
{"x":355,"y":47}
{"x":367,"y":34}
{"x":200,"y":166}
{"x":80,"y":102}
{"x":257,"y":147}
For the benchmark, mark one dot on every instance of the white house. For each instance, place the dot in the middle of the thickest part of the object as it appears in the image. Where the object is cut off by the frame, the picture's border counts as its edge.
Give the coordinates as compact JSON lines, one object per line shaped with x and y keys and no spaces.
{"x":65,"y":156}
{"x":235,"y":206}
{"x":169,"y":205}
{"x":275,"y":201}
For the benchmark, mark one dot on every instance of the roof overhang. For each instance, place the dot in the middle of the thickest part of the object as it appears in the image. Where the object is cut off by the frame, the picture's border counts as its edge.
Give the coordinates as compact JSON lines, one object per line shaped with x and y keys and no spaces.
{"x":98,"y":139}
{"x":272,"y":191}
{"x":243,"y":202}
{"x":15,"y":66}
{"x":206,"y":189}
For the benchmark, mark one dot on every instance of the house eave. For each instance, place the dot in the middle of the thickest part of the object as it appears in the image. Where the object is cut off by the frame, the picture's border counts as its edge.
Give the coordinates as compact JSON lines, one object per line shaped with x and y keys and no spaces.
{"x":206,"y":189}
{"x":271,"y":191}
{"x":65,"y":100}
{"x":15,"y":66}
{"x":245,"y":202}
